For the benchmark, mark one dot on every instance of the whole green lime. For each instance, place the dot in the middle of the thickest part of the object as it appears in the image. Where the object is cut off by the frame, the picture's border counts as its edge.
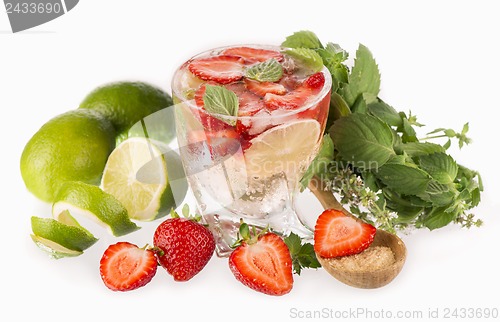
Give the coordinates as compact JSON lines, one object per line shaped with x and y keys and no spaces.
{"x":73,"y":146}
{"x":126,"y":103}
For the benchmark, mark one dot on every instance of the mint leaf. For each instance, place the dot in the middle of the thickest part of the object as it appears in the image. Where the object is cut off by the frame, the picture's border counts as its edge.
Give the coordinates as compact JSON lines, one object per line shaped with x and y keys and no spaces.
{"x":267,"y":71}
{"x":438,"y":217}
{"x":221,"y":102}
{"x":403,"y":179}
{"x":361,"y":104}
{"x":364,"y":77}
{"x":385,"y":112}
{"x":333,"y":57}
{"x":303,"y":255}
{"x":338,"y":107}
{"x":319,"y":166}
{"x":439,"y":194}
{"x":302,"y":39}
{"x":363,"y":140}
{"x":415,"y":149}
{"x":440,"y":166}
{"x":308,"y":57}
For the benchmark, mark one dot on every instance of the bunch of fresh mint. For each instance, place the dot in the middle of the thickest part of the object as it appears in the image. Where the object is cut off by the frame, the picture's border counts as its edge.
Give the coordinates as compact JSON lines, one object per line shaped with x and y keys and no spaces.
{"x":371,"y":155}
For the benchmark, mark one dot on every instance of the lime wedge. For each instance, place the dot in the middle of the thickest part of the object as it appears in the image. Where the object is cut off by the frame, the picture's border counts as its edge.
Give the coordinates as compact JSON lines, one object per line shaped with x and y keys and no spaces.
{"x":93,"y":203}
{"x":61,"y":239}
{"x":54,"y":250}
{"x":136,"y":174}
{"x":288,"y":148}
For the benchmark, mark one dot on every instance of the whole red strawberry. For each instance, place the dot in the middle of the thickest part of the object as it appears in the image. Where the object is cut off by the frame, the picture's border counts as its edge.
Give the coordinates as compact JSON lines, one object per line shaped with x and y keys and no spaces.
{"x":185,"y":246}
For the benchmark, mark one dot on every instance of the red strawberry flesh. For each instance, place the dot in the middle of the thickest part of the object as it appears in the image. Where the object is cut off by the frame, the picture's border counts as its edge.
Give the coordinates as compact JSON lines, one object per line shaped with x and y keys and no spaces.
{"x":125,"y":267}
{"x":296,"y":98}
{"x":265,"y":266}
{"x":337,"y":234}
{"x":254,"y":54}
{"x":223,"y":69}
{"x":262,"y":88}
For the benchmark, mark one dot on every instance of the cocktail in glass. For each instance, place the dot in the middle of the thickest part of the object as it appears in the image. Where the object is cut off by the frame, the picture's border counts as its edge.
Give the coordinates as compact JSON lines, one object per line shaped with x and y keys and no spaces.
{"x":244,"y":156}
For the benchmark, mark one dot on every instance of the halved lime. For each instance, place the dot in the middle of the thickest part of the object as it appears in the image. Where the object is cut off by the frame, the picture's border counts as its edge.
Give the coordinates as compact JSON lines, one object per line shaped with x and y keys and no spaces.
{"x":59,"y":239}
{"x":93,"y":203}
{"x":136,"y":174}
{"x":285,"y":149}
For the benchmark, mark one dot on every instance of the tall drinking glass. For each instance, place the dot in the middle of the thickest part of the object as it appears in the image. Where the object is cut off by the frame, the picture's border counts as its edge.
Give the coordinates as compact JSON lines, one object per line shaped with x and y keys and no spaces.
{"x":247,"y":166}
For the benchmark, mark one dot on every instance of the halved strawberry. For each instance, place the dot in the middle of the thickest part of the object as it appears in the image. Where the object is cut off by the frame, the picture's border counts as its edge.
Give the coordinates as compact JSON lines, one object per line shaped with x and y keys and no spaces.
{"x":262,"y":88}
{"x":254,"y":54}
{"x":337,"y":234}
{"x":222,"y":69}
{"x":125,"y":267}
{"x":296,"y":98}
{"x":264,"y":264}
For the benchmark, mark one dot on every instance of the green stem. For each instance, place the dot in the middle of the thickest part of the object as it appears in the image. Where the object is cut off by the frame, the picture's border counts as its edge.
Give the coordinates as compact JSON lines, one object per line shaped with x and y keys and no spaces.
{"x":433,"y":137}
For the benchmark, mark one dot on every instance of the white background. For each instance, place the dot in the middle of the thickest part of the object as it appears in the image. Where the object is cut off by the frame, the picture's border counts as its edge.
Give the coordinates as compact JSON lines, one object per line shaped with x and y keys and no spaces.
{"x":439,"y":59}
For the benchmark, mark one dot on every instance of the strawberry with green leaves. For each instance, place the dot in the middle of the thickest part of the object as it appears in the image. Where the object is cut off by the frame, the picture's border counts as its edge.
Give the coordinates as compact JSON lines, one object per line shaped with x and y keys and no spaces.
{"x":184,"y":245}
{"x":265,"y":262}
{"x":262,"y":262}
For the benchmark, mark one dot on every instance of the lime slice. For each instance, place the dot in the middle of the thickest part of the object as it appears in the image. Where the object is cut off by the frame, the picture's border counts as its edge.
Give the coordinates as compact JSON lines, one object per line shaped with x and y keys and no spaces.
{"x":93,"y":203}
{"x":136,"y":174}
{"x":285,"y":149}
{"x":59,"y":239}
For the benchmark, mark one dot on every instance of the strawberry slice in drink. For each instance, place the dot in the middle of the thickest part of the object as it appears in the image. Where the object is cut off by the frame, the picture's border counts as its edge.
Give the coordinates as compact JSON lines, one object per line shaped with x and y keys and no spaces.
{"x":262,"y":88}
{"x":221,"y":138}
{"x":223,"y":69}
{"x":253,"y":55}
{"x":296,"y":98}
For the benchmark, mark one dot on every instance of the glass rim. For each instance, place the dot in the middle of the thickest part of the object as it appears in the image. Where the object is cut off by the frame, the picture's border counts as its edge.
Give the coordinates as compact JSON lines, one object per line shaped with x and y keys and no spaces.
{"x":192,"y":104}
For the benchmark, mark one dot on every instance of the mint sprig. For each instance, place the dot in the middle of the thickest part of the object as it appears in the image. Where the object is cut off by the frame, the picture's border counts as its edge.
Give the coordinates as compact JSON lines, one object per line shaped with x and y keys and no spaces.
{"x":303,"y":255}
{"x":374,"y":158}
{"x":267,"y":71}
{"x":221,"y":102}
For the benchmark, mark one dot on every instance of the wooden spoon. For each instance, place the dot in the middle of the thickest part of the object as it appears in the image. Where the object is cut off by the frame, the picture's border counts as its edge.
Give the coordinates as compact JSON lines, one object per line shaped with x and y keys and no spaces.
{"x":370,"y":278}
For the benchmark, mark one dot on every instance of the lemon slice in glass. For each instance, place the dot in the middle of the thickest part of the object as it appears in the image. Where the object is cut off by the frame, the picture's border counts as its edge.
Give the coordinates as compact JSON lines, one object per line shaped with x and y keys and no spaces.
{"x":285,"y":149}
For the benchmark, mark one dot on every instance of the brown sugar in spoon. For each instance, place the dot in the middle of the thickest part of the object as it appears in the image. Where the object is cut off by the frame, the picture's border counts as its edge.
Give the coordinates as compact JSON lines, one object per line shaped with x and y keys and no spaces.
{"x":367,"y":277}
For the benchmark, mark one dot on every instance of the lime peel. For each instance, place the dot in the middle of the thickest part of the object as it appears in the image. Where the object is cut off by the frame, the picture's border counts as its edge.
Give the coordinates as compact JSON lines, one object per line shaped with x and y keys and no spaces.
{"x":54,"y":250}
{"x":93,"y":203}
